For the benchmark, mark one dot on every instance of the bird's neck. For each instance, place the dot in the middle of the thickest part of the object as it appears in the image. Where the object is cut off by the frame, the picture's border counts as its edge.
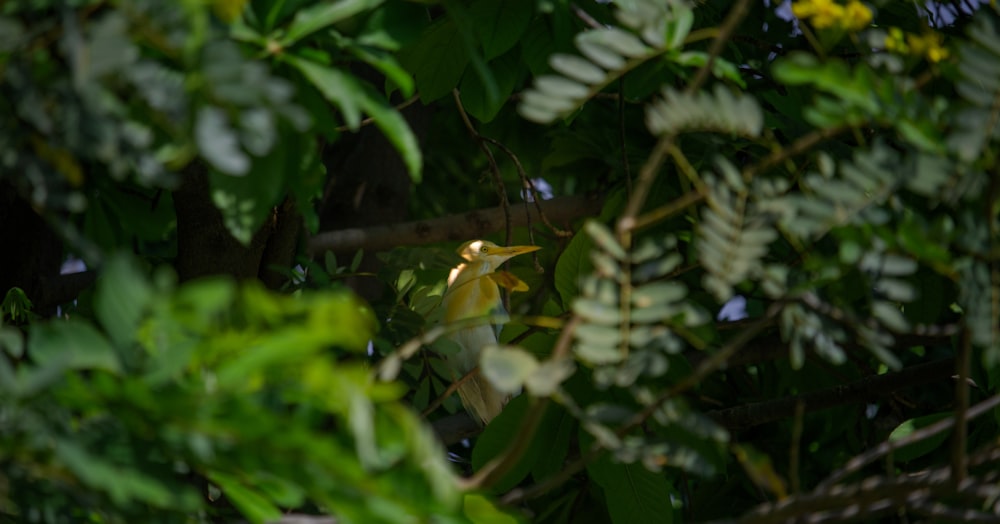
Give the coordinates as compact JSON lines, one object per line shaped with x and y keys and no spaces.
{"x":469,"y":271}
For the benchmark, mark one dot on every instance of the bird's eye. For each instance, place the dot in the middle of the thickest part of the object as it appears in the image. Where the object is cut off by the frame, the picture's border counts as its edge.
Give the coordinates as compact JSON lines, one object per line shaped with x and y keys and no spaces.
{"x":484,"y":249}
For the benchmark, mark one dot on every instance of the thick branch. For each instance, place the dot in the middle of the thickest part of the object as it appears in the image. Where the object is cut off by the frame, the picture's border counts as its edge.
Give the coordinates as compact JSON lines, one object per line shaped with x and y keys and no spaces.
{"x":461,"y":227}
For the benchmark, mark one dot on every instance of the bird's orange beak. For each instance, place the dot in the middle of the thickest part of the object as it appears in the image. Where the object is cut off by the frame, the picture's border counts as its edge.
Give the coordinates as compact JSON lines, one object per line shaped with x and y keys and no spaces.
{"x":513,"y":251}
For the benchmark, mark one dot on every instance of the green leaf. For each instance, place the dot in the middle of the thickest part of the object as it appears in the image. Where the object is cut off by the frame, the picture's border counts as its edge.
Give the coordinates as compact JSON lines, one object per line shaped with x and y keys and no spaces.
{"x":573,"y":264}
{"x":247,"y":201}
{"x":123,"y":294}
{"x":339,"y":88}
{"x":121,"y":484}
{"x":922,"y":446}
{"x":252,"y":504}
{"x":11,"y":34}
{"x":577,"y":68}
{"x":560,"y":427}
{"x":71,"y":344}
{"x":475,"y":97}
{"x":597,"y":355}
{"x":218,"y":142}
{"x":392,"y":26}
{"x":507,"y":367}
{"x":481,"y":510}
{"x":633,"y":493}
{"x":605,"y":239}
{"x":499,"y":25}
{"x":537,"y":45}
{"x":387,"y":64}
{"x":506,"y":428}
{"x":396,"y":130}
{"x":547,"y":378}
{"x":11,"y":341}
{"x":352,"y":96}
{"x":597,"y":311}
{"x":321,"y":15}
{"x":834,"y":77}
{"x":16,"y":305}
{"x":436,"y":77}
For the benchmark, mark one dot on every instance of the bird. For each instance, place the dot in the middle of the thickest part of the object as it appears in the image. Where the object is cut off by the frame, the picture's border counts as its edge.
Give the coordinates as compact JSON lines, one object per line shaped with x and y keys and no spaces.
{"x":474,"y":291}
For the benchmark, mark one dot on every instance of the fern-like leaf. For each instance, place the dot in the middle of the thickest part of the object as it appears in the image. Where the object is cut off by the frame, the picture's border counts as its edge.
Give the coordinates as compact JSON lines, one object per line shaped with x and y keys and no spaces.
{"x":734,"y":234}
{"x":720,"y":111}
{"x":651,"y":29}
{"x":854,"y":196}
{"x":979,"y":85}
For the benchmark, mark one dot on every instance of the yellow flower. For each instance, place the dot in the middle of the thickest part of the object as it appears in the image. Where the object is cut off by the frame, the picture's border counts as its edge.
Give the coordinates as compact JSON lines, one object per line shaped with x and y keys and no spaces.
{"x":928,"y":45}
{"x":895,"y":41}
{"x":857,"y":16}
{"x":802,"y":8}
{"x":824,"y":14}
{"x":821,"y":13}
{"x":937,"y":54}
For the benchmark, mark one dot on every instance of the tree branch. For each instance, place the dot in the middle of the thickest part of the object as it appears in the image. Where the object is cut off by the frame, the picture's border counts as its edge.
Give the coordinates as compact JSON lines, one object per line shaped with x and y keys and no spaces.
{"x":868,"y":388}
{"x":862,"y":460}
{"x":455,"y":228}
{"x":876,"y":495}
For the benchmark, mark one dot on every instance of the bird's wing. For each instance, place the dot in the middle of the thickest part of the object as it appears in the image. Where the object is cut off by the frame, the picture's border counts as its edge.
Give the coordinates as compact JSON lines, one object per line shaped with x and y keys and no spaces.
{"x":508,"y":280}
{"x":474,"y":298}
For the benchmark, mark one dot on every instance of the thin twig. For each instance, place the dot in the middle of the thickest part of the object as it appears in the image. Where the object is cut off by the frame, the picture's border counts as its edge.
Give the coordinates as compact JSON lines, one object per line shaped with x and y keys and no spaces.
{"x":803,"y":144}
{"x":621,"y":137}
{"x":794,"y":451}
{"x":494,"y":168}
{"x":959,"y":454}
{"x":652,"y":165}
{"x":519,"y":495}
{"x":706,"y":367}
{"x":453,"y":387}
{"x":668,"y":210}
{"x":585,"y":17}
{"x":647,"y":175}
{"x":531,"y":187}
{"x":864,"y":389}
{"x":736,"y":15}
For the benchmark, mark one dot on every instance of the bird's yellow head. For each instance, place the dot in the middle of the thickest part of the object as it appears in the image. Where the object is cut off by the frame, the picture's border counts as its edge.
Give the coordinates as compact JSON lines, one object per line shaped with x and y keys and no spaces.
{"x":492,"y":254}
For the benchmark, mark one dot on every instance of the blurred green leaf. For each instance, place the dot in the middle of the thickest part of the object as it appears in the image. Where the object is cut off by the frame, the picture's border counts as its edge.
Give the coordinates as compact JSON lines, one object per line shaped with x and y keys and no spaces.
{"x":123,"y":294}
{"x":70,"y":345}
{"x":322,"y":15}
{"x":253,"y":504}
{"x":219,"y":143}
{"x":479,"y":509}
{"x":507,"y":368}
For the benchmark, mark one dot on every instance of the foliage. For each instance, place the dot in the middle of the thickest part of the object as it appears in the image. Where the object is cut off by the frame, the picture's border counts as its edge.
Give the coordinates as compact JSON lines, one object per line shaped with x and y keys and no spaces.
{"x":829,"y":165}
{"x":194,"y":384}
